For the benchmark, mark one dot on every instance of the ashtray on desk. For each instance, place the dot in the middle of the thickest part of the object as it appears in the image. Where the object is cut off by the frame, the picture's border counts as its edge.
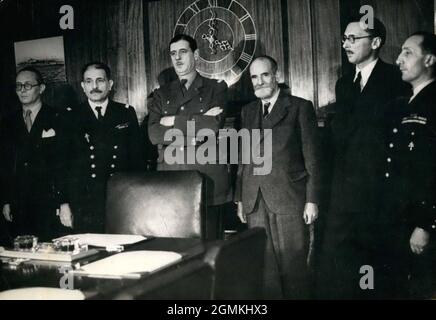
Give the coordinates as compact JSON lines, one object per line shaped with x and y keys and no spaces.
{"x":25,"y":243}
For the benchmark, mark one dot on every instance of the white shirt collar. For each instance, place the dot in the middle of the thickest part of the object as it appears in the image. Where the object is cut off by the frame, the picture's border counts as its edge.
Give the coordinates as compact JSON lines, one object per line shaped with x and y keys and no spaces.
{"x":419,"y":88}
{"x":272,"y":101}
{"x":35,"y":110}
{"x":365,"y":73}
{"x":102,"y":105}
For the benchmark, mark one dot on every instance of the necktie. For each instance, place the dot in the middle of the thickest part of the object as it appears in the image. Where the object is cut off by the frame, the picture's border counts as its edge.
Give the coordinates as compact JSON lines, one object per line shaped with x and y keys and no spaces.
{"x":183,"y":85}
{"x":356,"y":83}
{"x":99,"y":114}
{"x":28,"y":119}
{"x":266,"y":109}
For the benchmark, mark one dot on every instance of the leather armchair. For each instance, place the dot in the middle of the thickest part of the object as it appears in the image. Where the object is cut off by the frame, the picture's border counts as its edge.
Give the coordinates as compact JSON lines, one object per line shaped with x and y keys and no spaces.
{"x":238,"y":265}
{"x":162,"y":204}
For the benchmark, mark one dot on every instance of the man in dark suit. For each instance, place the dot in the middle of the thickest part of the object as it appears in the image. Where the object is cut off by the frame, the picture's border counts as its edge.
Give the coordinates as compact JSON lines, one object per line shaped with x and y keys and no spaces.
{"x":104,"y":138}
{"x":408,"y":212}
{"x":357,"y":149}
{"x":31,"y":161}
{"x":191,"y":100}
{"x":285,"y":200}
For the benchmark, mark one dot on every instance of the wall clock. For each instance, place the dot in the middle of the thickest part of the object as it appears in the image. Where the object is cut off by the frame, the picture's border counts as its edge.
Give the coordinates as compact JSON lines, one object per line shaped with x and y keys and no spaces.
{"x":225,"y":34}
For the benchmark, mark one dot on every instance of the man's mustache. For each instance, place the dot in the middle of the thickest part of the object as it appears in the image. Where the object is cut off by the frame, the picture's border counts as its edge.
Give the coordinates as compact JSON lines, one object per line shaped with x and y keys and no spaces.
{"x":96,"y":91}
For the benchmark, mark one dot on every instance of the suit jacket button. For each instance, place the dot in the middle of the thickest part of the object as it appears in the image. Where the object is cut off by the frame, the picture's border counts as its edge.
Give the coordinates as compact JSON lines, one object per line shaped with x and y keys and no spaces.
{"x":114,"y":157}
{"x":387,"y":175}
{"x":182,"y":108}
{"x":112,"y":166}
{"x":115,"y":147}
{"x":395,"y":130}
{"x":93,"y":166}
{"x":391,"y":145}
{"x":92,"y":156}
{"x":389,"y":159}
{"x":91,"y":148}
{"x":93,"y":176}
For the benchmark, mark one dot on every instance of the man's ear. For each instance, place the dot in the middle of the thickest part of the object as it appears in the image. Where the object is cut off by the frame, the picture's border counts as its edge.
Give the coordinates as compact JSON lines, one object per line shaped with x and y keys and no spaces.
{"x":430,"y":60}
{"x":111,"y":83}
{"x":82,"y":84}
{"x":196,"y":54}
{"x":376,"y":43}
{"x":41,"y":88}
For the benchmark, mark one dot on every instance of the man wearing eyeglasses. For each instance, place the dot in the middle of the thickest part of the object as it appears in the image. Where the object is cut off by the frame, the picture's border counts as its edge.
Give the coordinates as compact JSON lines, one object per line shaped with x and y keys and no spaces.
{"x":31,"y":162}
{"x":357,"y":158}
{"x":103,"y":138}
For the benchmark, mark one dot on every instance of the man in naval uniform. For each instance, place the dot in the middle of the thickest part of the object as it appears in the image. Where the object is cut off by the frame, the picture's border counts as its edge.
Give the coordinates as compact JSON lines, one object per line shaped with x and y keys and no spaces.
{"x":408,"y":215}
{"x":201,"y":102}
{"x":104,"y":138}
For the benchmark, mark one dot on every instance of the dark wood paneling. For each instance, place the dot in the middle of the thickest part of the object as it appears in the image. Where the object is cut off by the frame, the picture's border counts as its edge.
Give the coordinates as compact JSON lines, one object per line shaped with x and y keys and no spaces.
{"x":327,"y":49}
{"x":301,"y":68}
{"x":401,"y":18}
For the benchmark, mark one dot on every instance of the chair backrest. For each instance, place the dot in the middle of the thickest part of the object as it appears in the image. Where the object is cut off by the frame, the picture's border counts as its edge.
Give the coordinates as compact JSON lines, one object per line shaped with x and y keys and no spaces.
{"x":191,"y":280}
{"x":238,"y":265}
{"x":162,"y":204}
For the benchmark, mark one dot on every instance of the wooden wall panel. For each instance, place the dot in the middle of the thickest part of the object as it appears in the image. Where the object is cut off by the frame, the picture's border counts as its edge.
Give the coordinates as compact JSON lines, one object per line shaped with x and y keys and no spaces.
{"x":401,"y":18}
{"x":300,"y":58}
{"x":135,"y":53}
{"x":327,"y":48}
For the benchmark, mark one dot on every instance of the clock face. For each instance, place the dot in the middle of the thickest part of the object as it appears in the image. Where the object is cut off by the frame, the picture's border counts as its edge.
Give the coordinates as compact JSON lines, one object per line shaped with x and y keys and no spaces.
{"x":225,"y":34}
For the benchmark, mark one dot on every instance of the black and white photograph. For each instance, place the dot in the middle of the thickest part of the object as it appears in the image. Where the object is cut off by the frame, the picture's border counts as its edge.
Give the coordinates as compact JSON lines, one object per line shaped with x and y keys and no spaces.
{"x":218,"y":151}
{"x":47,"y":55}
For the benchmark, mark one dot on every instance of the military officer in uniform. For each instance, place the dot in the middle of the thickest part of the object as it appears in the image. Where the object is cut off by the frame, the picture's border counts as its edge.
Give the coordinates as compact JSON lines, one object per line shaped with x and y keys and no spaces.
{"x":408,"y":215}
{"x":104,"y":138}
{"x":201,"y":102}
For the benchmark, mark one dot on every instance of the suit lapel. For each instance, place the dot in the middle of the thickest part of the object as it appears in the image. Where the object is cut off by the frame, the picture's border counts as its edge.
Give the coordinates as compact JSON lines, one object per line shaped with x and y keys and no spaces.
{"x":40,"y":123}
{"x":279,"y":111}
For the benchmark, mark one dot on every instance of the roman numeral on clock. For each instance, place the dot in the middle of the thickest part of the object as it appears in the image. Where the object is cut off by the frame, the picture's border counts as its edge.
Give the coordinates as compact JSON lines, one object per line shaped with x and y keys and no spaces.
{"x":194,"y":8}
{"x":213,"y":3}
{"x":245,"y":17}
{"x":245,"y":57}
{"x":250,"y":37}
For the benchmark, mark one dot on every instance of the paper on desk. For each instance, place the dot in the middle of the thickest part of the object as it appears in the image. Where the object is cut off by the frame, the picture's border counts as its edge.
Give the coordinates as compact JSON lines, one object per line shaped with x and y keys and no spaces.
{"x":105,"y":240}
{"x":130,"y":263}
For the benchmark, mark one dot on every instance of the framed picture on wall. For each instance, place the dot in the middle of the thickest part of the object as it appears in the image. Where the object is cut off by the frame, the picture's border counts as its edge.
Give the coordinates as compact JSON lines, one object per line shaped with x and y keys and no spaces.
{"x":46,"y":55}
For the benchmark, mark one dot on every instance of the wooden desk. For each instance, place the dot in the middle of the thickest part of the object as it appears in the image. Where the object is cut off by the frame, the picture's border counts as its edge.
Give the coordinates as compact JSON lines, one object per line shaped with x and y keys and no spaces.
{"x":44,"y":274}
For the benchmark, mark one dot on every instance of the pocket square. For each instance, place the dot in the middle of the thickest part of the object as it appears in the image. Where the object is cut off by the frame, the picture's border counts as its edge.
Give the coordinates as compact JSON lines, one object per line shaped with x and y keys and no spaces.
{"x":48,"y":134}
{"x":122,"y":126}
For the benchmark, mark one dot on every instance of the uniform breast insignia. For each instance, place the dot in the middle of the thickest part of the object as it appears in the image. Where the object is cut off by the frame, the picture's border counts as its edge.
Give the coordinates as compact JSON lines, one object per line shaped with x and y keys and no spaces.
{"x":411,"y":145}
{"x":87,"y":136}
{"x":414,"y":119}
{"x":122,"y":126}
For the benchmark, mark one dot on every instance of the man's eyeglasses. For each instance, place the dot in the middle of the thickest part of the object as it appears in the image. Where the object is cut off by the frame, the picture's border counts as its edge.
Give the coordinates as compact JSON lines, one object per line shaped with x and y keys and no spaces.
{"x":26,"y":86}
{"x":352,"y":38}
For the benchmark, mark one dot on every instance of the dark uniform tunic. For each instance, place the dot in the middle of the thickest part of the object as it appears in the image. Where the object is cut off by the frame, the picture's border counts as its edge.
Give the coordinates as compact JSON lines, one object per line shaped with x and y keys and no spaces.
{"x":191,"y":105}
{"x":98,"y":149}
{"x":31,"y":169}
{"x":409,"y":183}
